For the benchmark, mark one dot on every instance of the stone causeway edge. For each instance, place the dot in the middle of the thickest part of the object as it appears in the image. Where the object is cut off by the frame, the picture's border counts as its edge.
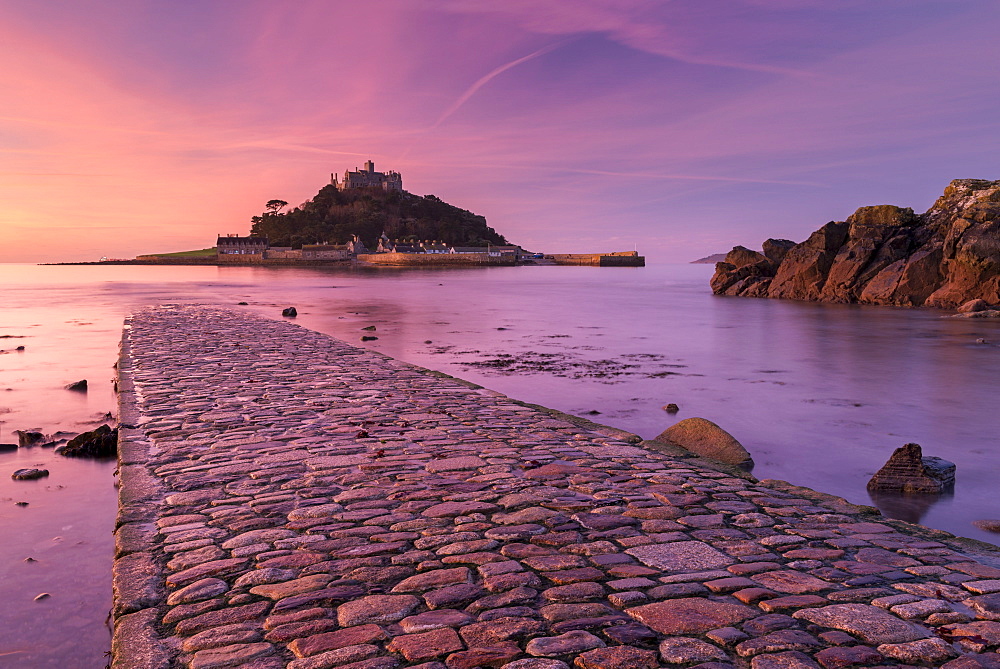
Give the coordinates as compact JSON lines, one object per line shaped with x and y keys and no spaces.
{"x":919,"y":580}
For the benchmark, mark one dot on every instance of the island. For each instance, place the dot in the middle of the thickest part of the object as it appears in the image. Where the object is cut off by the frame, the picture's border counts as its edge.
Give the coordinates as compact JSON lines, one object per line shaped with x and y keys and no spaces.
{"x":366,"y":217}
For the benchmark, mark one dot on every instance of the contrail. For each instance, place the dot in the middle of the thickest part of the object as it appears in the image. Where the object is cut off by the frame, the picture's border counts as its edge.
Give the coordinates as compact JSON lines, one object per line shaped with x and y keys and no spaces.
{"x":493,"y":74}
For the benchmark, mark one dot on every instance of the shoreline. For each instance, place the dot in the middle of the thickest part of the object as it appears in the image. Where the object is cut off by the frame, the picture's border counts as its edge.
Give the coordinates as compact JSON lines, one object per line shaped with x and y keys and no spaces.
{"x":801,"y":553}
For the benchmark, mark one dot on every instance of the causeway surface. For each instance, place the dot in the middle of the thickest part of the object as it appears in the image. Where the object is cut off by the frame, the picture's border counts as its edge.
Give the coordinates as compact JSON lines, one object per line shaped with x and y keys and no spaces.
{"x":290,"y":500}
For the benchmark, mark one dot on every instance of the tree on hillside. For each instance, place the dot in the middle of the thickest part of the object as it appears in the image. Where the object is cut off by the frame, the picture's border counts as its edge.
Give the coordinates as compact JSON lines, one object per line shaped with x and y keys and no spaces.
{"x":274,"y":206}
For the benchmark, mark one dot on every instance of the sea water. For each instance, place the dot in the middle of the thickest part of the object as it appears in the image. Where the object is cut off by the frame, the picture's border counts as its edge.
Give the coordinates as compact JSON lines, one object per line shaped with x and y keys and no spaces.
{"x":819,"y":394}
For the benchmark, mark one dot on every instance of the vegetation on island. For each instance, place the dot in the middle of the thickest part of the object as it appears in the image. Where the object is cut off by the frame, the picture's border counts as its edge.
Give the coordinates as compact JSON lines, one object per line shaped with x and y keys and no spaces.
{"x":199,"y":253}
{"x":334,"y":216}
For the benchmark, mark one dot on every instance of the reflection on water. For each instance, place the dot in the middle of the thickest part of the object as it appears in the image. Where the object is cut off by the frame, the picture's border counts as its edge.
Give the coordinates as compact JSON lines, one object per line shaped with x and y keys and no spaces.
{"x":911,"y":507}
{"x":819,"y":394}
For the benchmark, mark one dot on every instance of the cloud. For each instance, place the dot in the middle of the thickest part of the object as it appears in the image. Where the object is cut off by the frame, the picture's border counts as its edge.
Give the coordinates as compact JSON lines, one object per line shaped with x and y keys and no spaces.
{"x":482,"y":81}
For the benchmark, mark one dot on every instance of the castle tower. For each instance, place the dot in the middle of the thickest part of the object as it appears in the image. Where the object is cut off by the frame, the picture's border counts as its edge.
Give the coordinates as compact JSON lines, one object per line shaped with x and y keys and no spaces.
{"x":369,"y":167}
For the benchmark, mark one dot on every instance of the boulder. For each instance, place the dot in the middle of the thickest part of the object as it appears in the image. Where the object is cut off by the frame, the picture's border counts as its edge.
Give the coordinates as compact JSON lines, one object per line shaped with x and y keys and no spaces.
{"x":29,"y":474}
{"x":8,"y":447}
{"x":102,"y":442}
{"x":79,"y":386}
{"x":708,"y":440}
{"x":289,"y":312}
{"x":909,"y":471}
{"x":988,"y":525}
{"x":972,"y":306}
{"x":26,"y":438}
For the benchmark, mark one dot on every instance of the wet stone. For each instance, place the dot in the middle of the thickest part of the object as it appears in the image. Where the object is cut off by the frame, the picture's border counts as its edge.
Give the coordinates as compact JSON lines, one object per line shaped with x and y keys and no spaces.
{"x":352,"y":636}
{"x":426,"y":645}
{"x":571,"y":642}
{"x":792,"y":659}
{"x":498,"y":655}
{"x":680,"y":556}
{"x":792,"y":582}
{"x":617,"y":657}
{"x":689,"y":615}
{"x":868,"y":623}
{"x":684,"y":650}
{"x":430,"y":620}
{"x":236,"y":655}
{"x":376,"y":609}
{"x":934,"y":651}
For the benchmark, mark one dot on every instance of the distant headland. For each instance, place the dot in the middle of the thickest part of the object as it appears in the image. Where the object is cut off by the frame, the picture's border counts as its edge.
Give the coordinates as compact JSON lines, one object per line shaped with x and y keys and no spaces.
{"x":946,"y":257}
{"x":368,"y":218}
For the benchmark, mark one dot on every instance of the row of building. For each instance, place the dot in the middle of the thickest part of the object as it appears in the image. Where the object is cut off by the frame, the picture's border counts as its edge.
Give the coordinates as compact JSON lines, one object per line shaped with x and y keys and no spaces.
{"x":235,"y":248}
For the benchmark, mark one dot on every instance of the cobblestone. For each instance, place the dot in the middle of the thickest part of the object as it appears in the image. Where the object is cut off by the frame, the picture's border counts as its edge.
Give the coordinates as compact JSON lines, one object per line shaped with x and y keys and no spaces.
{"x":318,"y":505}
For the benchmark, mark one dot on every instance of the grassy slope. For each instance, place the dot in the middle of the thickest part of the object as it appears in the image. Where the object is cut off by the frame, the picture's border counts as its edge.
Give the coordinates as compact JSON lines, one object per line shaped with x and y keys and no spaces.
{"x":201,"y":253}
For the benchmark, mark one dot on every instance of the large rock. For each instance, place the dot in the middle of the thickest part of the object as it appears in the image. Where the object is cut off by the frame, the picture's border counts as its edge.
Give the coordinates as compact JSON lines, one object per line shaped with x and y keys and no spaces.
{"x":803,"y":272}
{"x":708,"y":440}
{"x":909,"y":471}
{"x":99,"y":443}
{"x":26,"y":438}
{"x":884,"y":255}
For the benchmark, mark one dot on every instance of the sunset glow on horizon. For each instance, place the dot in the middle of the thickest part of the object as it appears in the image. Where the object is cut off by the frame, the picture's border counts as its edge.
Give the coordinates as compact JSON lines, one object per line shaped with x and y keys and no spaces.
{"x":676,"y":128}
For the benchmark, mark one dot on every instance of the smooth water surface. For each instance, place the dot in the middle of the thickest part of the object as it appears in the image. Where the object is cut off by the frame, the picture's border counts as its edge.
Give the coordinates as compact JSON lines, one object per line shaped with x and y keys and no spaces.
{"x":819,"y":394}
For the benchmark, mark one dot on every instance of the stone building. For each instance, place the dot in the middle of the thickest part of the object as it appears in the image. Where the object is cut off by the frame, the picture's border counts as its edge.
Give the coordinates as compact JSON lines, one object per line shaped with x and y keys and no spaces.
{"x":369,"y":178}
{"x":236,"y":245}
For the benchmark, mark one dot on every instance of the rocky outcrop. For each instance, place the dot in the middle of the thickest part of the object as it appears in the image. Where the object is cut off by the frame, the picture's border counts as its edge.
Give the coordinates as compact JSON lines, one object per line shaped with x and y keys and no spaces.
{"x":707,"y":439}
{"x":908,"y":470}
{"x":884,"y":254}
{"x":99,"y":443}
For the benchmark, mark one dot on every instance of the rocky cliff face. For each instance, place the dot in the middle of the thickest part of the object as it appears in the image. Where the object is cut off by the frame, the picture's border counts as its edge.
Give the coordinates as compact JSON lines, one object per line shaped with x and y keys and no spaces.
{"x":883,"y":255}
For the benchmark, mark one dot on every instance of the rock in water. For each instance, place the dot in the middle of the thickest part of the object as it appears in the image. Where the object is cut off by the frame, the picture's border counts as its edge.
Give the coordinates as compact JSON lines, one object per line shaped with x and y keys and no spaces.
{"x":708,"y":440}
{"x":79,"y":386}
{"x":946,"y":257}
{"x":26,"y":438}
{"x":909,"y":471}
{"x":29,"y":474}
{"x":102,"y":442}
{"x":973,"y":306}
{"x":289,"y":312}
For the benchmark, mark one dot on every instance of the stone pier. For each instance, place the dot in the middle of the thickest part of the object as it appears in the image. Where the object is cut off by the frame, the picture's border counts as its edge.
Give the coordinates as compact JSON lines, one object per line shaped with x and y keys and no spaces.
{"x":290,"y":500}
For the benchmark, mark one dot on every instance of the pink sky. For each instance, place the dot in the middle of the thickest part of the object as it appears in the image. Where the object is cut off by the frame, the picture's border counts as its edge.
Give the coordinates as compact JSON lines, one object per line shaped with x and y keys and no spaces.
{"x":677,"y":128}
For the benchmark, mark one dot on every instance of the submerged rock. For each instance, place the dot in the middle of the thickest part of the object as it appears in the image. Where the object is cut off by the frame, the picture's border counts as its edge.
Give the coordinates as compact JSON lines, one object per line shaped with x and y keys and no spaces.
{"x":909,"y":471}
{"x":29,"y":474}
{"x":945,"y":257}
{"x":289,"y":312}
{"x":102,"y":442}
{"x":26,"y":438}
{"x":79,"y":386}
{"x":708,"y":440}
{"x":988,"y":525}
{"x":671,"y":408}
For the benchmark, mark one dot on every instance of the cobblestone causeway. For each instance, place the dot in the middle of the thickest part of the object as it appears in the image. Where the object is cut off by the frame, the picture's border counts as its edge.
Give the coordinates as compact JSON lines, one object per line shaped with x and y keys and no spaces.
{"x":289,"y":500}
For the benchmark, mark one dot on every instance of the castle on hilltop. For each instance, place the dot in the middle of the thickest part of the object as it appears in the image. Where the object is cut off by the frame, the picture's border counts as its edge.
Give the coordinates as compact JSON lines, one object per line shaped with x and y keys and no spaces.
{"x":368,"y":178}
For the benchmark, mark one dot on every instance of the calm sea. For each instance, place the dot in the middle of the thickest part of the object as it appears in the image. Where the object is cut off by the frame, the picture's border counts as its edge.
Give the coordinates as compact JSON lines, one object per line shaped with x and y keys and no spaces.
{"x":819,"y":394}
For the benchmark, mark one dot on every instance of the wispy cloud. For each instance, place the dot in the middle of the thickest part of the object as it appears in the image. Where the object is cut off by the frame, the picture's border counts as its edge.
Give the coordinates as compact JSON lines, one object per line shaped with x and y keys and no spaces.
{"x":493,"y":74}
